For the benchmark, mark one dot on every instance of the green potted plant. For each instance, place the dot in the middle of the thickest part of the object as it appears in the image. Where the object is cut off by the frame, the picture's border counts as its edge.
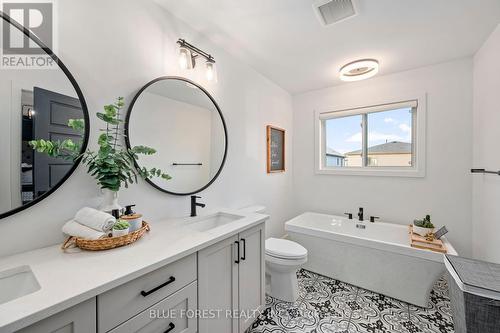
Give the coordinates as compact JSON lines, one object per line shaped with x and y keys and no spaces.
{"x":111,"y":165}
{"x":120,"y":228}
{"x":423,"y":226}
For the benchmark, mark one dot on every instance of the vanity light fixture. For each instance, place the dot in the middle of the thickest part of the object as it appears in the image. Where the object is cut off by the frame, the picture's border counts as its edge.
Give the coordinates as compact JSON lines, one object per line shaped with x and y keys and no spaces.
{"x":359,"y":70}
{"x":187,"y":59}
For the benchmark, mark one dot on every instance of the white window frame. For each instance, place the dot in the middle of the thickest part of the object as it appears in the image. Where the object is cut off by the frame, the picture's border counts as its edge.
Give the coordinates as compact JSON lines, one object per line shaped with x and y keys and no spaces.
{"x":417,"y":101}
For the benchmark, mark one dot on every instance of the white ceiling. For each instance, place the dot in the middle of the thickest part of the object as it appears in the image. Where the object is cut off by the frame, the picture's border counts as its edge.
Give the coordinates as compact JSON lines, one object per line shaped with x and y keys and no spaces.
{"x":284,"y":40}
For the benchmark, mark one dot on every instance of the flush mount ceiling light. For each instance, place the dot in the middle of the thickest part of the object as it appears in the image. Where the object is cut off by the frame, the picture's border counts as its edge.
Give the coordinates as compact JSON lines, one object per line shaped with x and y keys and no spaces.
{"x":359,"y":70}
{"x":187,"y":59}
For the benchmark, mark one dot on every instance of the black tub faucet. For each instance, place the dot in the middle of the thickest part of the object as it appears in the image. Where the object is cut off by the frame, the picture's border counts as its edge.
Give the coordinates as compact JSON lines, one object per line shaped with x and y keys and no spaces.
{"x":360,"y":214}
{"x":195,"y":204}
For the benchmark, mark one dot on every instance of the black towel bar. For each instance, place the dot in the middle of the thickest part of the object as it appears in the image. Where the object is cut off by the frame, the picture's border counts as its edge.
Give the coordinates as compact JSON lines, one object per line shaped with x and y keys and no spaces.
{"x":187,"y":163}
{"x":484,"y":171}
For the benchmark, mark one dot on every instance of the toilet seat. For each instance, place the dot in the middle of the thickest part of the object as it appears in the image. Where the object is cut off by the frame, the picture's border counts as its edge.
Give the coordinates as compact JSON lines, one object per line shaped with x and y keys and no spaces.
{"x":285,"y":249}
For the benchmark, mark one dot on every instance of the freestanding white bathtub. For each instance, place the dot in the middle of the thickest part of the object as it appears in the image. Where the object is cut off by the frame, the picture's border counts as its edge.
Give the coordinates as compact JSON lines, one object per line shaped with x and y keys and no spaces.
{"x":375,"y":256}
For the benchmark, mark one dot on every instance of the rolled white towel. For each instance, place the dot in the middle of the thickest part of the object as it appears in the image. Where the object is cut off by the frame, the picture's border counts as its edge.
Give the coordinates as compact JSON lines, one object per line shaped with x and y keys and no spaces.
{"x":73,"y":228}
{"x":95,"y":219}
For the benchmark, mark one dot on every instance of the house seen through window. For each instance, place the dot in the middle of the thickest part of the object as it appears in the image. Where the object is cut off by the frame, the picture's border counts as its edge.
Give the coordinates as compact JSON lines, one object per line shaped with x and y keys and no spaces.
{"x":373,"y":137}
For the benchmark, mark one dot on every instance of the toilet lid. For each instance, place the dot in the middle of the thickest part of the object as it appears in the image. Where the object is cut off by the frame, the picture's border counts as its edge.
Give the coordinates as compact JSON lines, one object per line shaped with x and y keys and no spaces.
{"x":286,"y":249}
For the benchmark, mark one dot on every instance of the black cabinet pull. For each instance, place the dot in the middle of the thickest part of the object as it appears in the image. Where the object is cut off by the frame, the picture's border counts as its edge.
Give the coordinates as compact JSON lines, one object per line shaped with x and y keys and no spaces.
{"x":237,"y":261}
{"x":171,"y":326}
{"x":244,"y":249}
{"x":146,"y":293}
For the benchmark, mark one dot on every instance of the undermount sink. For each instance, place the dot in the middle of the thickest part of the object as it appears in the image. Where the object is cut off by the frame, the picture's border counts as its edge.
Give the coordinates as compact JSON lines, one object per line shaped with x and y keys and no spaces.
{"x":17,"y":282}
{"x":213,"y":221}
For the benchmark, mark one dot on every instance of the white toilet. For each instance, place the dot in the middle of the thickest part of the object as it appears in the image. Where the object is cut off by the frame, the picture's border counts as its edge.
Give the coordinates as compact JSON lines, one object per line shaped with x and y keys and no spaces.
{"x":283,"y":259}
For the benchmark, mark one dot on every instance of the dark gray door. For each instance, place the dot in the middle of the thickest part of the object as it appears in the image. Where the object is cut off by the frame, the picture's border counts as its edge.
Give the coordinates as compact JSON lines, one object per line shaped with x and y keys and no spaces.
{"x":52,"y":112}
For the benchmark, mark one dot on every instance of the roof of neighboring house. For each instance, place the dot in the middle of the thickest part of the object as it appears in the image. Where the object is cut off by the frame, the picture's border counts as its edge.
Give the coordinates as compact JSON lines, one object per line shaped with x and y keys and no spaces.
{"x":332,"y":152}
{"x":394,"y":147}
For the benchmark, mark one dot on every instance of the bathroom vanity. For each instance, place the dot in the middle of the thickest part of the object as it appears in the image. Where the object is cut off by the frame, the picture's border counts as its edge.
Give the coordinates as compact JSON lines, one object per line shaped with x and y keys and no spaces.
{"x":203,"y":274}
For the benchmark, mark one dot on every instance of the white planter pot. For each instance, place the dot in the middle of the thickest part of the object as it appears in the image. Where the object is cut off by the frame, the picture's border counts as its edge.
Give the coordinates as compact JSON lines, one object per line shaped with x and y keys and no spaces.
{"x":422,"y":231}
{"x":109,"y":201}
{"x":118,"y":233}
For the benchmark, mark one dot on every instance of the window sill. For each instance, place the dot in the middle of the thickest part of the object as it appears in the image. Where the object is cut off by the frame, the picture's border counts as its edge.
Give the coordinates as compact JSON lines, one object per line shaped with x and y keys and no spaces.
{"x":377,"y":172}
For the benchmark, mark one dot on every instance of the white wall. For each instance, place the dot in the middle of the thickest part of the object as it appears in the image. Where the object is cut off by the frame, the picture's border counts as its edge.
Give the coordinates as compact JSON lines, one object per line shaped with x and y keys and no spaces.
{"x":445,"y":191}
{"x":486,"y":152}
{"x":113,"y":48}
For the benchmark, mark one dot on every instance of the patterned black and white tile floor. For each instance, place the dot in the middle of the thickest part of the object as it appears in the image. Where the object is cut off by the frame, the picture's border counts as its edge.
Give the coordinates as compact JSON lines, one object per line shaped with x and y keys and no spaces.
{"x":329,"y":306}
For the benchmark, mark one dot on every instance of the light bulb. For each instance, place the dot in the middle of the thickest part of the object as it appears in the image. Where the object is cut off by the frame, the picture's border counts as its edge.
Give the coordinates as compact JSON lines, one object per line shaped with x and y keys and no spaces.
{"x":210,"y":71}
{"x":185,"y":61}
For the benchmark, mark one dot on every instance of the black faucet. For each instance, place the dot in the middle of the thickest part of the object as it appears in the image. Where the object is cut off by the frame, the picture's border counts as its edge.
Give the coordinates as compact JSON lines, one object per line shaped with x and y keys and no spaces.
{"x":360,"y":214}
{"x":195,"y":204}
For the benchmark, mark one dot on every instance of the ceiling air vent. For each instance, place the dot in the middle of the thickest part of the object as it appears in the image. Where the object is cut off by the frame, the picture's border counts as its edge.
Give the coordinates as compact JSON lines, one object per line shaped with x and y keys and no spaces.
{"x":333,"y":11}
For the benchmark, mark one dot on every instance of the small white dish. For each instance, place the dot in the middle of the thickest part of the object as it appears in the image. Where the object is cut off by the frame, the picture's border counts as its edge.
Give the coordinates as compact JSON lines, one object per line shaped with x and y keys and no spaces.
{"x":118,"y":233}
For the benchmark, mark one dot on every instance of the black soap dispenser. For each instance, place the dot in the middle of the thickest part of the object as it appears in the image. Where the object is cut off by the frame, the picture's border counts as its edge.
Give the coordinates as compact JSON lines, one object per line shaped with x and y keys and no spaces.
{"x":128,"y":210}
{"x":116,"y":214}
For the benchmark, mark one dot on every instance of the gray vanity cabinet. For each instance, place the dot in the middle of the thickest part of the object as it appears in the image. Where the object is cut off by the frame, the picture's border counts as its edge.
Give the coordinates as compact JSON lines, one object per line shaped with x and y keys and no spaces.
{"x":231,"y":276}
{"x":80,"y":318}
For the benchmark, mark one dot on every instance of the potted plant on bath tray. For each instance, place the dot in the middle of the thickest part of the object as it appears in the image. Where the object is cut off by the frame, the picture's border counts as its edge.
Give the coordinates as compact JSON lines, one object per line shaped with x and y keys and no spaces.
{"x":111,"y":165}
{"x":424,"y":226}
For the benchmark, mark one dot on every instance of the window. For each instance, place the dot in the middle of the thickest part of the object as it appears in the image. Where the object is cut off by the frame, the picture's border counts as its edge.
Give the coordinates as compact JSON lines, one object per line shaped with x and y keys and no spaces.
{"x":340,"y":138}
{"x":375,"y":140}
{"x":390,"y":138}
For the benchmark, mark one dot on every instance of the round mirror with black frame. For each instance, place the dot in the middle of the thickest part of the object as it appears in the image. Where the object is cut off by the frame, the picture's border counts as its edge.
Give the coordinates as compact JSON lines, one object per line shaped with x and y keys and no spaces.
{"x":186,"y":126}
{"x":42,"y":114}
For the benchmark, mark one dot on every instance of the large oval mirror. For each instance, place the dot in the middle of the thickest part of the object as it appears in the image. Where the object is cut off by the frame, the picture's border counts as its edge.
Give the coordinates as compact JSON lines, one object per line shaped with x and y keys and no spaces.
{"x":185,"y":125}
{"x":39,"y":100}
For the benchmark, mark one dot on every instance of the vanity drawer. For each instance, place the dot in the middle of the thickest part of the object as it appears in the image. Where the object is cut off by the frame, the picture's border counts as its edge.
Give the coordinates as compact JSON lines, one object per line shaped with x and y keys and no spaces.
{"x":123,"y":302}
{"x":175,"y":314}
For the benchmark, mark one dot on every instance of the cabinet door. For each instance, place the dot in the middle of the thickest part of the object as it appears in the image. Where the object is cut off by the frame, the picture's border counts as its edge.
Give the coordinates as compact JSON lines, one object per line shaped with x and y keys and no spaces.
{"x":79,"y":319}
{"x":252,"y":281}
{"x":218,"y":287}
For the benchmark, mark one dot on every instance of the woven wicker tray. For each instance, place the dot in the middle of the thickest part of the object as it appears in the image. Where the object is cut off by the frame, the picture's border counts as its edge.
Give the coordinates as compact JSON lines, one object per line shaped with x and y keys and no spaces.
{"x":105,"y":243}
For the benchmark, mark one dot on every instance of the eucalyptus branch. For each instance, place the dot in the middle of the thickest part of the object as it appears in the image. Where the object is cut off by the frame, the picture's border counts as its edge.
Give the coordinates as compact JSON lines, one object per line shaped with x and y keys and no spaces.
{"x":111,"y":165}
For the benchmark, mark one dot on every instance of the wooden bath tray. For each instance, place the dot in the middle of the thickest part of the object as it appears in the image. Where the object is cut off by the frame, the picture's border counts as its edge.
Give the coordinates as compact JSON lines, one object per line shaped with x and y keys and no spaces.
{"x":420,"y":242}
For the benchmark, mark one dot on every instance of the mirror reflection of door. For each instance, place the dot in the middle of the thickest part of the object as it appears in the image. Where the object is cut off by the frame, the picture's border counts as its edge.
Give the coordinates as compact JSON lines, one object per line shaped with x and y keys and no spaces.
{"x":52,"y":112}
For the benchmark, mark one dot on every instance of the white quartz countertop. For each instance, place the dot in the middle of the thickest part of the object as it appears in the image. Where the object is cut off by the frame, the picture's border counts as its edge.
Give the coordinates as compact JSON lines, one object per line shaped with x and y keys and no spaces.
{"x":71,"y":277}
